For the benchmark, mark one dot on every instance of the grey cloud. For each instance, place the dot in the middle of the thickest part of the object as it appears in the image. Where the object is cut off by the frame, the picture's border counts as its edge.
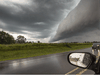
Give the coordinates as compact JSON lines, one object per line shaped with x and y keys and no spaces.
{"x":81,"y":24}
{"x":29,"y":18}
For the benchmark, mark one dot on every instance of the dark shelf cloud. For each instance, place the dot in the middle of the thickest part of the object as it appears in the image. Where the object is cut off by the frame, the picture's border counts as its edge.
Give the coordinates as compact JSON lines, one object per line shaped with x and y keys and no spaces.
{"x":81,"y":24}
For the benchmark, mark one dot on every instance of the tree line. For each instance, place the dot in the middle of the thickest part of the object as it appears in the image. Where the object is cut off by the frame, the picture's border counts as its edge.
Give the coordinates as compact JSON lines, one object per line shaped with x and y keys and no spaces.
{"x":6,"y":38}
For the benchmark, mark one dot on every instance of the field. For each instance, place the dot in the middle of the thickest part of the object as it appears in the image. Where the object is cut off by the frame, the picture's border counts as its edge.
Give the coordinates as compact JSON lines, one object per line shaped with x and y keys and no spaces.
{"x":17,"y":51}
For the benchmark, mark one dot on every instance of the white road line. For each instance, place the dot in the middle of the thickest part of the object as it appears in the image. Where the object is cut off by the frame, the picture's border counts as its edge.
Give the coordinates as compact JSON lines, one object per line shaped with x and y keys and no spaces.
{"x":72,"y":70}
{"x":81,"y":72}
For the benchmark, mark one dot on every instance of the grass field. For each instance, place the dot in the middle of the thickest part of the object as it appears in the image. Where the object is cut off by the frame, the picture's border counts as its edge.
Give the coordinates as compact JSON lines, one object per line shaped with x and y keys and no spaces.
{"x":17,"y":51}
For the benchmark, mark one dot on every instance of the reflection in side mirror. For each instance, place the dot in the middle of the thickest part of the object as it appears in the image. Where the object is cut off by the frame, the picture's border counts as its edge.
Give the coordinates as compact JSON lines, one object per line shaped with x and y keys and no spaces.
{"x":80,"y":59}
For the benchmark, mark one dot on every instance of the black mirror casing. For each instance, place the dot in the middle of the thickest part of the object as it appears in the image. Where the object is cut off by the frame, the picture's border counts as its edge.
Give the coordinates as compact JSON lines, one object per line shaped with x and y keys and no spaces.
{"x":96,"y":67}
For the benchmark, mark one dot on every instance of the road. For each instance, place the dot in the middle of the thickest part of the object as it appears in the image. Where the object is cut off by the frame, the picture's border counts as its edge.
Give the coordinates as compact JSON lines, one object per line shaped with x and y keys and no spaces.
{"x":47,"y":64}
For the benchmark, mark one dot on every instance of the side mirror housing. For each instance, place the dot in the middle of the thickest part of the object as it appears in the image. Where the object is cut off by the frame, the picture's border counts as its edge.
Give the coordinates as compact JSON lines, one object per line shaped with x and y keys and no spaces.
{"x":81,"y":59}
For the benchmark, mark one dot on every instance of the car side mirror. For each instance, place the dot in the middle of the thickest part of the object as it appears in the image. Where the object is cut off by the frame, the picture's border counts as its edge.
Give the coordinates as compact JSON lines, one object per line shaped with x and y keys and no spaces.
{"x":81,"y":59}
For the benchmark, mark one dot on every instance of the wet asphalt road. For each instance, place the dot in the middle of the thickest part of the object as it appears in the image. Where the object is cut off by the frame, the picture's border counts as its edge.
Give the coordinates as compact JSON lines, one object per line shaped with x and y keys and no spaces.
{"x":47,"y":64}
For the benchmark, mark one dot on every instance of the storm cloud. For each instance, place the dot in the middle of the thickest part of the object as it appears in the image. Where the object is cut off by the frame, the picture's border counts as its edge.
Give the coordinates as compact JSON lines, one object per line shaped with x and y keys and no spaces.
{"x":37,"y":18}
{"x":81,"y":24}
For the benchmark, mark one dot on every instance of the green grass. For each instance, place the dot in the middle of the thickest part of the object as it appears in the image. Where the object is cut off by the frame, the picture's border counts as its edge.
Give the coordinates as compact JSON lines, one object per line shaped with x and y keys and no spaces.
{"x":17,"y":51}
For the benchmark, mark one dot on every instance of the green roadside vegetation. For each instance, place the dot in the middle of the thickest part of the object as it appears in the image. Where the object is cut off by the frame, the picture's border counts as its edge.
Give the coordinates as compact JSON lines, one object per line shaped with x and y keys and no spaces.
{"x":18,"y":51}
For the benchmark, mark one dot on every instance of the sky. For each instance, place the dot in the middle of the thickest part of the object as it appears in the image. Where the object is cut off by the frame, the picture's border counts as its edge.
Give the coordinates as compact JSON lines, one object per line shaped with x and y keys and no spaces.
{"x":81,"y":24}
{"x":37,"y":20}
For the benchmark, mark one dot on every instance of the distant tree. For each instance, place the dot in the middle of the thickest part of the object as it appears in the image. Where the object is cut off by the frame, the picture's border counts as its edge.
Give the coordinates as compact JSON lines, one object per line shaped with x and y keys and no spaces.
{"x":38,"y":41}
{"x":94,"y":41}
{"x":6,"y":38}
{"x":20,"y":39}
{"x":29,"y":42}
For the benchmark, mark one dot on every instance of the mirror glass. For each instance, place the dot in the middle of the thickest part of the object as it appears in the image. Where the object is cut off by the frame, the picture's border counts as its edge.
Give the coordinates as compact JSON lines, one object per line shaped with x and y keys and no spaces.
{"x":80,"y":59}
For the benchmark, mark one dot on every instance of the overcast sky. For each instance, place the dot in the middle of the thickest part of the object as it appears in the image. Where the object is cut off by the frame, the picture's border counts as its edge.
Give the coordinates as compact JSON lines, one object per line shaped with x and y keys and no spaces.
{"x":81,"y":24}
{"x":37,"y":20}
